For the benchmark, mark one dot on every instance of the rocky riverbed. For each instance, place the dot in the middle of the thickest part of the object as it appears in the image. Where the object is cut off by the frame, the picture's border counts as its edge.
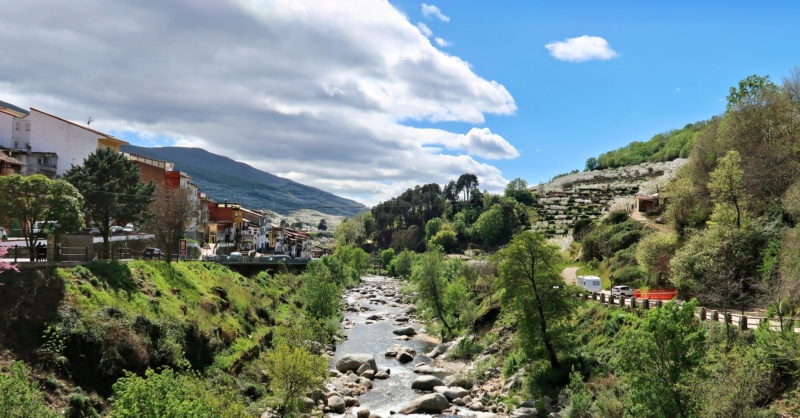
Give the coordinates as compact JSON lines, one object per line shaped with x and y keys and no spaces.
{"x":388,"y":364}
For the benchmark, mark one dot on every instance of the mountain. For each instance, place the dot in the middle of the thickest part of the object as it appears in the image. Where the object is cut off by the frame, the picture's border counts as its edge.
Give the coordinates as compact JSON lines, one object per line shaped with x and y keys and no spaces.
{"x":223,"y":178}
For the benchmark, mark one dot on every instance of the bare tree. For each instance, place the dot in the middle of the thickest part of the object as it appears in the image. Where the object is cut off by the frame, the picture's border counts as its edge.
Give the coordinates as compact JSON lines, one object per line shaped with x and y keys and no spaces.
{"x":173,"y":210}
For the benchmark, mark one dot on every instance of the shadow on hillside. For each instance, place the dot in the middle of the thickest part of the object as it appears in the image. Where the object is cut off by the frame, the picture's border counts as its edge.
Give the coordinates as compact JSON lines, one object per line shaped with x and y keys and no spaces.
{"x":29,"y":301}
{"x":116,"y":275}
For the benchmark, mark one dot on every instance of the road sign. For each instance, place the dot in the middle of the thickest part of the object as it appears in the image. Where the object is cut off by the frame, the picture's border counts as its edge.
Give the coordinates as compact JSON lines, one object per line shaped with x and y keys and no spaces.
{"x":182,"y":248}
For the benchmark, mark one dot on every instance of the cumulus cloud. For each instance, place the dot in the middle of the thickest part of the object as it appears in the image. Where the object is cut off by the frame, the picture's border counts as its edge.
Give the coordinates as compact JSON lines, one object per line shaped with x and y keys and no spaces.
{"x":442,"y":43}
{"x":424,"y":29}
{"x":582,"y":48}
{"x":431,"y":10}
{"x":278,"y":84}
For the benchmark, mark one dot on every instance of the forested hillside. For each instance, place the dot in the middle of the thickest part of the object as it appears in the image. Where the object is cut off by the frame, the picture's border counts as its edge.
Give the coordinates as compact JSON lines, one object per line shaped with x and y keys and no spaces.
{"x":667,"y":146}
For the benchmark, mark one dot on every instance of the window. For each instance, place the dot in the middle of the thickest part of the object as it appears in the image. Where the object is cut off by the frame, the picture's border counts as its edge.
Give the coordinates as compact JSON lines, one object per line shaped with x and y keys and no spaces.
{"x":27,"y":127}
{"x":16,"y":126}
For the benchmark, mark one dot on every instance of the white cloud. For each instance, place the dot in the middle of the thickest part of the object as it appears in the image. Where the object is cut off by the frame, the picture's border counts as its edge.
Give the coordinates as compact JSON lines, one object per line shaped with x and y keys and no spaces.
{"x":582,"y":48}
{"x":431,"y":10}
{"x":442,"y":43}
{"x":327,"y":105}
{"x":424,"y":29}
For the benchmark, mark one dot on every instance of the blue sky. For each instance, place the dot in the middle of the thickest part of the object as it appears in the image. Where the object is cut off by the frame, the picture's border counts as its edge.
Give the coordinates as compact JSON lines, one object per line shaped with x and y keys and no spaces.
{"x":675,"y":64}
{"x":366,"y":98}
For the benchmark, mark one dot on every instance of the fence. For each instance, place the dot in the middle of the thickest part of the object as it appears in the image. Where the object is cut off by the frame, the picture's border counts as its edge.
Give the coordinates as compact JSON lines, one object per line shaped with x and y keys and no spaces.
{"x":62,"y":254}
{"x":656,"y":294}
{"x":741,"y":321}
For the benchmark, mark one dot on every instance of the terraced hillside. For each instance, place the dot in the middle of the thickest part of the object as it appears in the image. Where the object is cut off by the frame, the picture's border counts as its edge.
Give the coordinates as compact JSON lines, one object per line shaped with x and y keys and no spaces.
{"x":591,"y":194}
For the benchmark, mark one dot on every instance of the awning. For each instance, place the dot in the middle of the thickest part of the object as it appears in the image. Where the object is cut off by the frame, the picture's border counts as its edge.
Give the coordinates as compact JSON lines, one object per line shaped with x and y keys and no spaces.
{"x":11,"y":160}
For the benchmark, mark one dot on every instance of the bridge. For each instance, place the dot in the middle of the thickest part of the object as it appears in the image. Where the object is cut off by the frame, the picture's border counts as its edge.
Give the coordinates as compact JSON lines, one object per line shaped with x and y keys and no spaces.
{"x":249,"y":265}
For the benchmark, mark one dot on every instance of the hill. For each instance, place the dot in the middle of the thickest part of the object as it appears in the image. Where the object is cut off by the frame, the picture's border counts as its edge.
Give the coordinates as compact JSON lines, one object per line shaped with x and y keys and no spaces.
{"x":223,"y":178}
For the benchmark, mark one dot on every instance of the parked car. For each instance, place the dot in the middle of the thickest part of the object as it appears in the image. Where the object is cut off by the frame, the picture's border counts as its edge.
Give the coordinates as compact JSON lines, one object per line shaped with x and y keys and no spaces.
{"x":236,"y":255}
{"x":41,"y":228}
{"x":95,"y":231}
{"x":622,"y":290}
{"x":116,"y":230}
{"x":150,"y":253}
{"x":129,"y":229}
{"x":3,"y":235}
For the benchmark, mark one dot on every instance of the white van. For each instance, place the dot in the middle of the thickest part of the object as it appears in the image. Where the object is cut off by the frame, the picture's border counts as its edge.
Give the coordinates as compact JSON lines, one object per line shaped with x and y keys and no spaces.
{"x":590,"y":283}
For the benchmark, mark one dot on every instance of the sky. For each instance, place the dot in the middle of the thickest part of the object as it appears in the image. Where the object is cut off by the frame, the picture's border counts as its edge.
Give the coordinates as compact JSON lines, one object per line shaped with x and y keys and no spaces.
{"x":366,"y":98}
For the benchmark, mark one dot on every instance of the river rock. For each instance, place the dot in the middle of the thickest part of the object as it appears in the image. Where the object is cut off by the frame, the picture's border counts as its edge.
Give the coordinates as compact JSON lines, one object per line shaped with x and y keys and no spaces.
{"x":486,"y":415}
{"x":351,"y":401}
{"x":401,"y":318}
{"x":368,"y":374}
{"x":424,"y":369}
{"x":352,"y":378}
{"x":374,"y":416}
{"x":375,"y":317}
{"x":336,"y":404}
{"x":381,"y":375}
{"x":355,"y":361}
{"x":432,"y":403}
{"x":451,"y":393}
{"x":426,"y":383}
{"x":362,"y":413}
{"x":404,"y":356}
{"x":410,"y":310}
{"x":409,"y":330}
{"x":524,"y":413}
{"x":439,"y":350}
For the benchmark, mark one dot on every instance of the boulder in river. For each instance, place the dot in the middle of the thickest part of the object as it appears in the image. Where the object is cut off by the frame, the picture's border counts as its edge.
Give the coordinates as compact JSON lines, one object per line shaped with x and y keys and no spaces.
{"x":432,"y":403}
{"x":524,"y":413}
{"x":424,"y":369}
{"x":405,"y":331}
{"x":426,"y":382}
{"x":404,"y":356}
{"x":355,"y":361}
{"x":451,"y":393}
{"x":336,"y":404}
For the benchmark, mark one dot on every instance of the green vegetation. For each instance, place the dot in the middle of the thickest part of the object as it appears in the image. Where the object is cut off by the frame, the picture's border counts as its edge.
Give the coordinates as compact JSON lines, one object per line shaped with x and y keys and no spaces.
{"x":37,"y":198}
{"x":20,"y":397}
{"x":661,"y":147}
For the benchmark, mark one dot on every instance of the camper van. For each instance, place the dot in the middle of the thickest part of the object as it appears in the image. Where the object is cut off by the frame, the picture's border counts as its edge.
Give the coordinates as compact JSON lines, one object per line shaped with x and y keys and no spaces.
{"x":590,"y":283}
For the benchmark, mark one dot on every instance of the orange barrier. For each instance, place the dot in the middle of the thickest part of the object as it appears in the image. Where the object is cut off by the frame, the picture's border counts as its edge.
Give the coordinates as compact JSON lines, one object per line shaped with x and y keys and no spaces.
{"x":656,"y":294}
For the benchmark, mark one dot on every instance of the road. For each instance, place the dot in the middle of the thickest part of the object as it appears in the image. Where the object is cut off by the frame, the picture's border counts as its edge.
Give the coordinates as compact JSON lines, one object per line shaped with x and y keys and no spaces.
{"x":570,"y":275}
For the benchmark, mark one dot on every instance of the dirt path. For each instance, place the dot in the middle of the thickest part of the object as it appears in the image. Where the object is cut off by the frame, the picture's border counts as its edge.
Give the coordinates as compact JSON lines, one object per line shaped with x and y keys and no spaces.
{"x":639,"y":217}
{"x":570,"y":275}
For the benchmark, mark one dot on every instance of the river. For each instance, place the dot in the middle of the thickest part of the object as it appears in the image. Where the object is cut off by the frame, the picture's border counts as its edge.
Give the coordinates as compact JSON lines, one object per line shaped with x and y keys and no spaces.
{"x":375,"y":338}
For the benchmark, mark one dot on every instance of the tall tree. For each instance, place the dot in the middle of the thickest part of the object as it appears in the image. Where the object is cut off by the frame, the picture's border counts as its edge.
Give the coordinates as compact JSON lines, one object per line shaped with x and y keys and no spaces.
{"x":172,"y":211}
{"x":112,"y":190}
{"x":466,"y":183}
{"x":37,"y":198}
{"x":534,"y":292}
{"x":660,"y":358}
{"x":727,"y":186}
{"x":517,"y":189}
{"x":323,"y":225}
{"x":428,"y":274}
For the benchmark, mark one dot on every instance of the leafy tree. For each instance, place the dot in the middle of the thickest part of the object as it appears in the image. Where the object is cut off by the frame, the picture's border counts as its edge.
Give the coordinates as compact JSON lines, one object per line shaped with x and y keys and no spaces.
{"x":428,"y":274}
{"x":517,"y":189}
{"x":738,"y":386}
{"x":112,"y":191}
{"x":654,"y":252}
{"x":353,"y":257}
{"x":500,"y":222}
{"x":660,"y":358}
{"x":411,"y":239}
{"x":21,"y":398}
{"x":284,"y":223}
{"x":404,"y":263}
{"x":591,"y":164}
{"x":432,"y":227}
{"x":170,"y":395}
{"x":293,"y":371}
{"x":445,"y":238}
{"x":323,"y":225}
{"x":320,"y":293}
{"x":37,"y":198}
{"x":534,"y":291}
{"x":386,"y":257}
{"x":726,"y":185}
{"x":466,"y":183}
{"x":172,"y":210}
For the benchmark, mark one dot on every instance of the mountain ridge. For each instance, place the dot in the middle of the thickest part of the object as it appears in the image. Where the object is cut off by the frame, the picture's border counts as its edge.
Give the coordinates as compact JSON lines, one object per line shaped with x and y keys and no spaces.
{"x":222,"y":178}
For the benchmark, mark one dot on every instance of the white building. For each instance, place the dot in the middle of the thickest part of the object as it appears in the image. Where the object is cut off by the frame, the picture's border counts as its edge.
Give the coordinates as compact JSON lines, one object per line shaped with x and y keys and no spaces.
{"x":70,"y":141}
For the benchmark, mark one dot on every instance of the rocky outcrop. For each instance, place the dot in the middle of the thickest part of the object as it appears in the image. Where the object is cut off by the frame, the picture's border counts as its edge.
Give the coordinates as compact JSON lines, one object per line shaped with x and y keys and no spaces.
{"x":355,"y":361}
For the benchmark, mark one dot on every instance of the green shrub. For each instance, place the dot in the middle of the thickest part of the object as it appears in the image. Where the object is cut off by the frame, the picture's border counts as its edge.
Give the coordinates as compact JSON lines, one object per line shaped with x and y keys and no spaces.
{"x":168,"y":394}
{"x":19,"y":397}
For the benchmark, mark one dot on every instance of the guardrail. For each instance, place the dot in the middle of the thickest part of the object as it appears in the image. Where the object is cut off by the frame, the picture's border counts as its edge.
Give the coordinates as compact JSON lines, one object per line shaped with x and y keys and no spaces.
{"x":274,"y":260}
{"x":741,"y":321}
